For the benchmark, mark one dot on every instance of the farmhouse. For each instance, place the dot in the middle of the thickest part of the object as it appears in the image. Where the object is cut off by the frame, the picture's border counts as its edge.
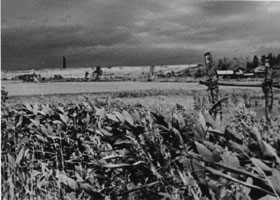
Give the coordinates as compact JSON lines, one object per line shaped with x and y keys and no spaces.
{"x":239,"y":71}
{"x":225,"y":73}
{"x":248,"y":75}
{"x":259,"y":71}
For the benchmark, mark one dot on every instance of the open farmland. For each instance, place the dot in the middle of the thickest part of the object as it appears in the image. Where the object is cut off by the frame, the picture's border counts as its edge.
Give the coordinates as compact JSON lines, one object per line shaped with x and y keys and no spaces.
{"x":22,"y":89}
{"x":27,"y":89}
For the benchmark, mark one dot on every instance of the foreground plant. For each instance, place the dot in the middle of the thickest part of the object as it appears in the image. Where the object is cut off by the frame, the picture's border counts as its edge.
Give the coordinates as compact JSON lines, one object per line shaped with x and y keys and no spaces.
{"x":116,"y":151}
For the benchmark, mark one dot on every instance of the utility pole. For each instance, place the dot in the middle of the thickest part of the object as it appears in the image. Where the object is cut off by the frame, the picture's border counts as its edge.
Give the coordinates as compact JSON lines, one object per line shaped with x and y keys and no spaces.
{"x":64,"y":62}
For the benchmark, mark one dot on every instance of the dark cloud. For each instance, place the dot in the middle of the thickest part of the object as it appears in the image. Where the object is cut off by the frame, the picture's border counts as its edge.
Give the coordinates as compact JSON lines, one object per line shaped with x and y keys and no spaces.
{"x":45,"y":46}
{"x":37,"y":33}
{"x":39,"y":44}
{"x":222,"y":8}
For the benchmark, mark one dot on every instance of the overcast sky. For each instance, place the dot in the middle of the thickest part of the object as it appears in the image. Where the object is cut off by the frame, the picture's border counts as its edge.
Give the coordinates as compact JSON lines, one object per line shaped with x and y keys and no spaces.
{"x":37,"y":33}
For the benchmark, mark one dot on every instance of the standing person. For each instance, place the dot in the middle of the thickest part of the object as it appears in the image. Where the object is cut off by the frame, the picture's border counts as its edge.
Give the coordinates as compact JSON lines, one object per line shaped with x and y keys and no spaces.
{"x":212,"y":82}
{"x":267,"y":90}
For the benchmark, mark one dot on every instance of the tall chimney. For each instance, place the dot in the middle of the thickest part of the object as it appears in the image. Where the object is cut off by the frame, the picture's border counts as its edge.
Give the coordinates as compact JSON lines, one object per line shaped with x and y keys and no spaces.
{"x":64,"y":62}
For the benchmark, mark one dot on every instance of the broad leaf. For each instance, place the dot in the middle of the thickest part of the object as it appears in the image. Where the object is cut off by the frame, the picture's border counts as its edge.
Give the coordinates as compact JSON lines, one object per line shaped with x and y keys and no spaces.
{"x":221,"y":174}
{"x":64,"y":118}
{"x":20,"y":155}
{"x":261,"y":165}
{"x":275,"y":179}
{"x":269,"y":151}
{"x":35,"y":122}
{"x":68,"y":181}
{"x":204,"y":152}
{"x":106,"y":133}
{"x":209,"y":120}
{"x":112,"y":117}
{"x":11,"y":161}
{"x":90,"y":190}
{"x":128,"y":117}
{"x":120,"y":117}
{"x":202,"y":121}
{"x":230,"y":159}
{"x":199,"y":131}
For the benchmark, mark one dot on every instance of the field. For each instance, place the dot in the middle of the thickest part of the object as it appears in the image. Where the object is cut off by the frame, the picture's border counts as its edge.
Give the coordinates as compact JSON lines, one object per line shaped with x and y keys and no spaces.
{"x":28,"y":89}
{"x":132,"y":140}
{"x":123,"y":71}
{"x":146,"y":93}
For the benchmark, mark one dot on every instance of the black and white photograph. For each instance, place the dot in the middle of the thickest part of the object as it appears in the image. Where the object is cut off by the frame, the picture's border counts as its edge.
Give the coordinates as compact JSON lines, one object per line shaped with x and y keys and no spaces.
{"x":140,"y":99}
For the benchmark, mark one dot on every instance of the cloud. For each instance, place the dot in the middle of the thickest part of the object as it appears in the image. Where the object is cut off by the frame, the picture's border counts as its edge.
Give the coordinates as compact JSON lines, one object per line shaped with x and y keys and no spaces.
{"x":271,"y":48}
{"x":45,"y":46}
{"x":37,"y":33}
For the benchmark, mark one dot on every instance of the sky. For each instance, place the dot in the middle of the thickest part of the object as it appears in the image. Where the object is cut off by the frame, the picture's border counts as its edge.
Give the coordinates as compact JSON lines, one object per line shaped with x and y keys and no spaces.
{"x":38,"y":33}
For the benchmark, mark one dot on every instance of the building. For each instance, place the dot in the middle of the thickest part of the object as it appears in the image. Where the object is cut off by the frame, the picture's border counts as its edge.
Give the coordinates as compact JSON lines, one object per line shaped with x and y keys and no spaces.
{"x":259,"y":71}
{"x":225,"y":73}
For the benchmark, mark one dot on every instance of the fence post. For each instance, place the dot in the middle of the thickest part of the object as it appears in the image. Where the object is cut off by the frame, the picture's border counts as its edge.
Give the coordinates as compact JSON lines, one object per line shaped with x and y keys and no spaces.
{"x":267,"y":90}
{"x":64,"y":62}
{"x":212,"y":83}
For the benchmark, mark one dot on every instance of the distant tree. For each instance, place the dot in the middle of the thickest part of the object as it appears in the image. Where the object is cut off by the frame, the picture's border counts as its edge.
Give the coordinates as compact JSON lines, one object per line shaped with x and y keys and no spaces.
{"x":223,"y":64}
{"x":226,"y":64}
{"x":255,"y":62}
{"x":270,"y":58}
{"x":277,"y":62}
{"x":220,"y":64}
{"x":277,"y":59}
{"x":263,"y":59}
{"x":249,"y":67}
{"x":273,"y":60}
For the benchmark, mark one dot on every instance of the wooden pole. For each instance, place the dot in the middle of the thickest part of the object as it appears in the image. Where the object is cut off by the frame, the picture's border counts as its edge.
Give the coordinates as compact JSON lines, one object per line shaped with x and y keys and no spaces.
{"x":212,"y":83}
{"x":64,"y":62}
{"x":267,"y":90}
{"x":208,"y":62}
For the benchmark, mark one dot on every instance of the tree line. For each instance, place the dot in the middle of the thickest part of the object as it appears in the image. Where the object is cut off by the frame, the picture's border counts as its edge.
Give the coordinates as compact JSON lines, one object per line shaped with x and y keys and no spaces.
{"x":225,"y":64}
